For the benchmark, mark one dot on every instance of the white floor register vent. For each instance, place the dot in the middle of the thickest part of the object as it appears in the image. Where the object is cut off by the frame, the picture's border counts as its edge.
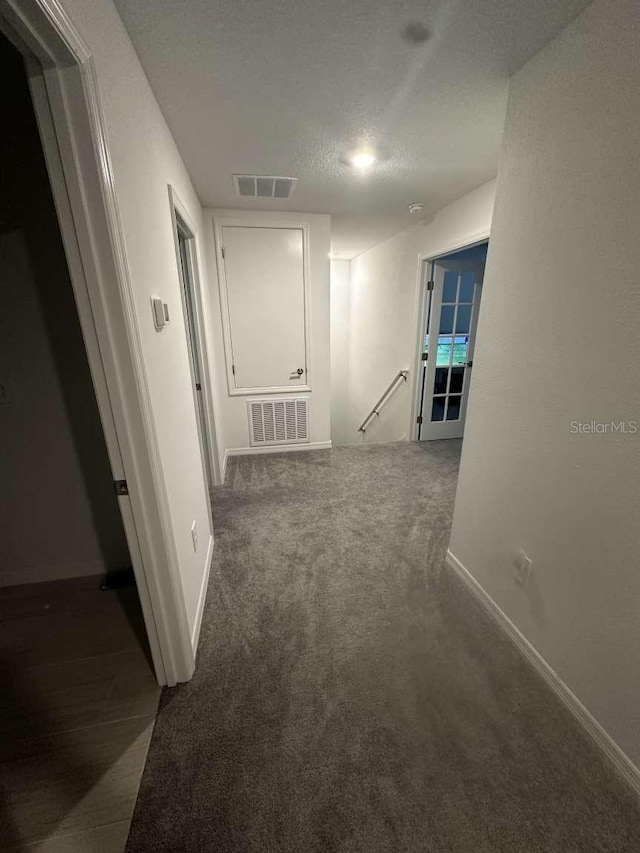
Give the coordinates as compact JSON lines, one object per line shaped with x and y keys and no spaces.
{"x":278,"y":421}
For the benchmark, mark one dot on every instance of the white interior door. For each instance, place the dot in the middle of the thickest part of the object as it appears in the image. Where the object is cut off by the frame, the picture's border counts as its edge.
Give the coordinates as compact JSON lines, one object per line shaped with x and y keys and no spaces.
{"x":265,"y":291}
{"x":448,"y":347}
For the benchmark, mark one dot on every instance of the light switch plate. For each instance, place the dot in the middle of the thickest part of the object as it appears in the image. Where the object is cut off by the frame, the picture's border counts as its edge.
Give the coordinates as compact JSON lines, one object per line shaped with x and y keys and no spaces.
{"x":522,"y":566}
{"x":157,"y":306}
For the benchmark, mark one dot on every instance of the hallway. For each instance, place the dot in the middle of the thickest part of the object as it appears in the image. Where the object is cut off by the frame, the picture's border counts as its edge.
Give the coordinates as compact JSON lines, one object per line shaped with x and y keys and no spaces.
{"x":350,"y":696}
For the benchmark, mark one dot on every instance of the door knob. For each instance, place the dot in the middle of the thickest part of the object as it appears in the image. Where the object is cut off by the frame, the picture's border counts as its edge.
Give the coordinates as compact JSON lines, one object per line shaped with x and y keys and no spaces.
{"x":299,"y":371}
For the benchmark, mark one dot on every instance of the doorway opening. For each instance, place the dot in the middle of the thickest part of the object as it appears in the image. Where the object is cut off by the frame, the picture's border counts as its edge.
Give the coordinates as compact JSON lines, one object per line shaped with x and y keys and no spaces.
{"x":74,"y":651}
{"x":188,"y":272}
{"x":66,"y":98}
{"x":452,"y":285}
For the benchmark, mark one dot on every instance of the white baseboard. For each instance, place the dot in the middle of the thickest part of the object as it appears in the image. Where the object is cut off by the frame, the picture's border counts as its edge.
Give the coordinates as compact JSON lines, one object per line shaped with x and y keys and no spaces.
{"x":195,"y":633}
{"x":621,"y":762}
{"x":275,"y":448}
{"x":272,"y":448}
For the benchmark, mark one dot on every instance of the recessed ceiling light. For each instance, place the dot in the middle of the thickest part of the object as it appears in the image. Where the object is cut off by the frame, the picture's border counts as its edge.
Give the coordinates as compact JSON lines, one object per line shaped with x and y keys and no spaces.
{"x":362,"y":159}
{"x":416,"y":207}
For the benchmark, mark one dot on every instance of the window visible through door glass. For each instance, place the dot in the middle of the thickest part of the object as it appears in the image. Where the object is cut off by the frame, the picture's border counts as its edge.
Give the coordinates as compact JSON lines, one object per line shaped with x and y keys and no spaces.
{"x":443,"y":356}
{"x":450,"y":286}
{"x":437,"y":409}
{"x":463,"y":319}
{"x":442,"y":374}
{"x":446,"y":319}
{"x":467,"y":286}
{"x":460,"y":348}
{"x":457,"y":379}
{"x":453,"y":409}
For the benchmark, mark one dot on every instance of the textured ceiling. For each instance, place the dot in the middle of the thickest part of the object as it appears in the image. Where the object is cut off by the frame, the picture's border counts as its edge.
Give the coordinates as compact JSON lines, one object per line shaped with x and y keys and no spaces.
{"x":288,"y":87}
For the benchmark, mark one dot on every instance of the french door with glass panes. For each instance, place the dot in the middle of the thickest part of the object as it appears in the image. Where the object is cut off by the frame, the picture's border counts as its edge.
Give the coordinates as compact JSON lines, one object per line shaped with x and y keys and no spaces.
{"x":448,"y":347}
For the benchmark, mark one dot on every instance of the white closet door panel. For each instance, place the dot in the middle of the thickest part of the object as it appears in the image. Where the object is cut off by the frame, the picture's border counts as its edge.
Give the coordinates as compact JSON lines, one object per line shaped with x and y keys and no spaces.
{"x":264,"y":269}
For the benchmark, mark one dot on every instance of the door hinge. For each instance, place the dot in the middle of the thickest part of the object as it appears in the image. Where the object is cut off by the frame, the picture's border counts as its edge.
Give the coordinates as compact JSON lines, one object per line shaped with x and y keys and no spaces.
{"x":198,"y":386}
{"x":121,"y":487}
{"x":233,"y":369}
{"x":430,"y":285}
{"x":419,"y":419}
{"x":223,"y":254}
{"x":425,"y":356}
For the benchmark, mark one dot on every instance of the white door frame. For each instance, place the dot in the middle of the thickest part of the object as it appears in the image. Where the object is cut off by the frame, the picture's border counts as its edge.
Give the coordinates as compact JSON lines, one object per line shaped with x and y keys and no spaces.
{"x":66,"y":99}
{"x":208,"y":439}
{"x":421,"y":302}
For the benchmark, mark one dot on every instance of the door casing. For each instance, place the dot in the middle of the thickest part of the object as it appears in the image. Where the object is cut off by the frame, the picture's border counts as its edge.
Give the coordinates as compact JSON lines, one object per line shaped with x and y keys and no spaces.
{"x":182,"y":222}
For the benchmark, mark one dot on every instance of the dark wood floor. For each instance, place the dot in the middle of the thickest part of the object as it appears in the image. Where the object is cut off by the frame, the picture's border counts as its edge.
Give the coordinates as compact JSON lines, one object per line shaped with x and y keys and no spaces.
{"x":78,"y":700}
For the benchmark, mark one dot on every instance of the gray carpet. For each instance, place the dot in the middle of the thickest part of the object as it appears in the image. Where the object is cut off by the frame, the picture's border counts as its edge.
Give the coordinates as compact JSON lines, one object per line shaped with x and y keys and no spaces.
{"x":350,"y":694}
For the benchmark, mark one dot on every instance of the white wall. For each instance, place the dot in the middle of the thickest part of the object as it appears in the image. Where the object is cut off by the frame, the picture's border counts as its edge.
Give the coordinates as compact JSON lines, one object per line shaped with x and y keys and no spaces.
{"x":340,"y":307}
{"x":558,"y":342}
{"x":233,"y":429}
{"x":145,"y":161}
{"x":383,"y":314}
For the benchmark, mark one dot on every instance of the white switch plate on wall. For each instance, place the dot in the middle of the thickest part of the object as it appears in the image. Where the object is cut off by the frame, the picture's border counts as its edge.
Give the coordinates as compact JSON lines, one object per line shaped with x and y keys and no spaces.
{"x":522,"y":568}
{"x":160,"y":313}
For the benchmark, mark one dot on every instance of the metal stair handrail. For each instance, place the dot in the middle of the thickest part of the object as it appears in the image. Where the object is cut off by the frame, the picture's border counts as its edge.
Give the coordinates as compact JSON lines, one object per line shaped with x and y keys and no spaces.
{"x":401,"y":374}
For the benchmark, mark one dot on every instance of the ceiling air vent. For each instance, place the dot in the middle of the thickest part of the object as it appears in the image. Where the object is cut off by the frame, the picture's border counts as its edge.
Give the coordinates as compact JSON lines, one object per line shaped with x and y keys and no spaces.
{"x":278,"y":421}
{"x":260,"y":186}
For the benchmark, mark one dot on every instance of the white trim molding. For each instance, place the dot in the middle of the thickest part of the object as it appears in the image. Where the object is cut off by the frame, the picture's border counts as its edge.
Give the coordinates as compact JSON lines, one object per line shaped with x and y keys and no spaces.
{"x":202,"y":597}
{"x":272,"y":448}
{"x":602,"y":740}
{"x":225,"y":459}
